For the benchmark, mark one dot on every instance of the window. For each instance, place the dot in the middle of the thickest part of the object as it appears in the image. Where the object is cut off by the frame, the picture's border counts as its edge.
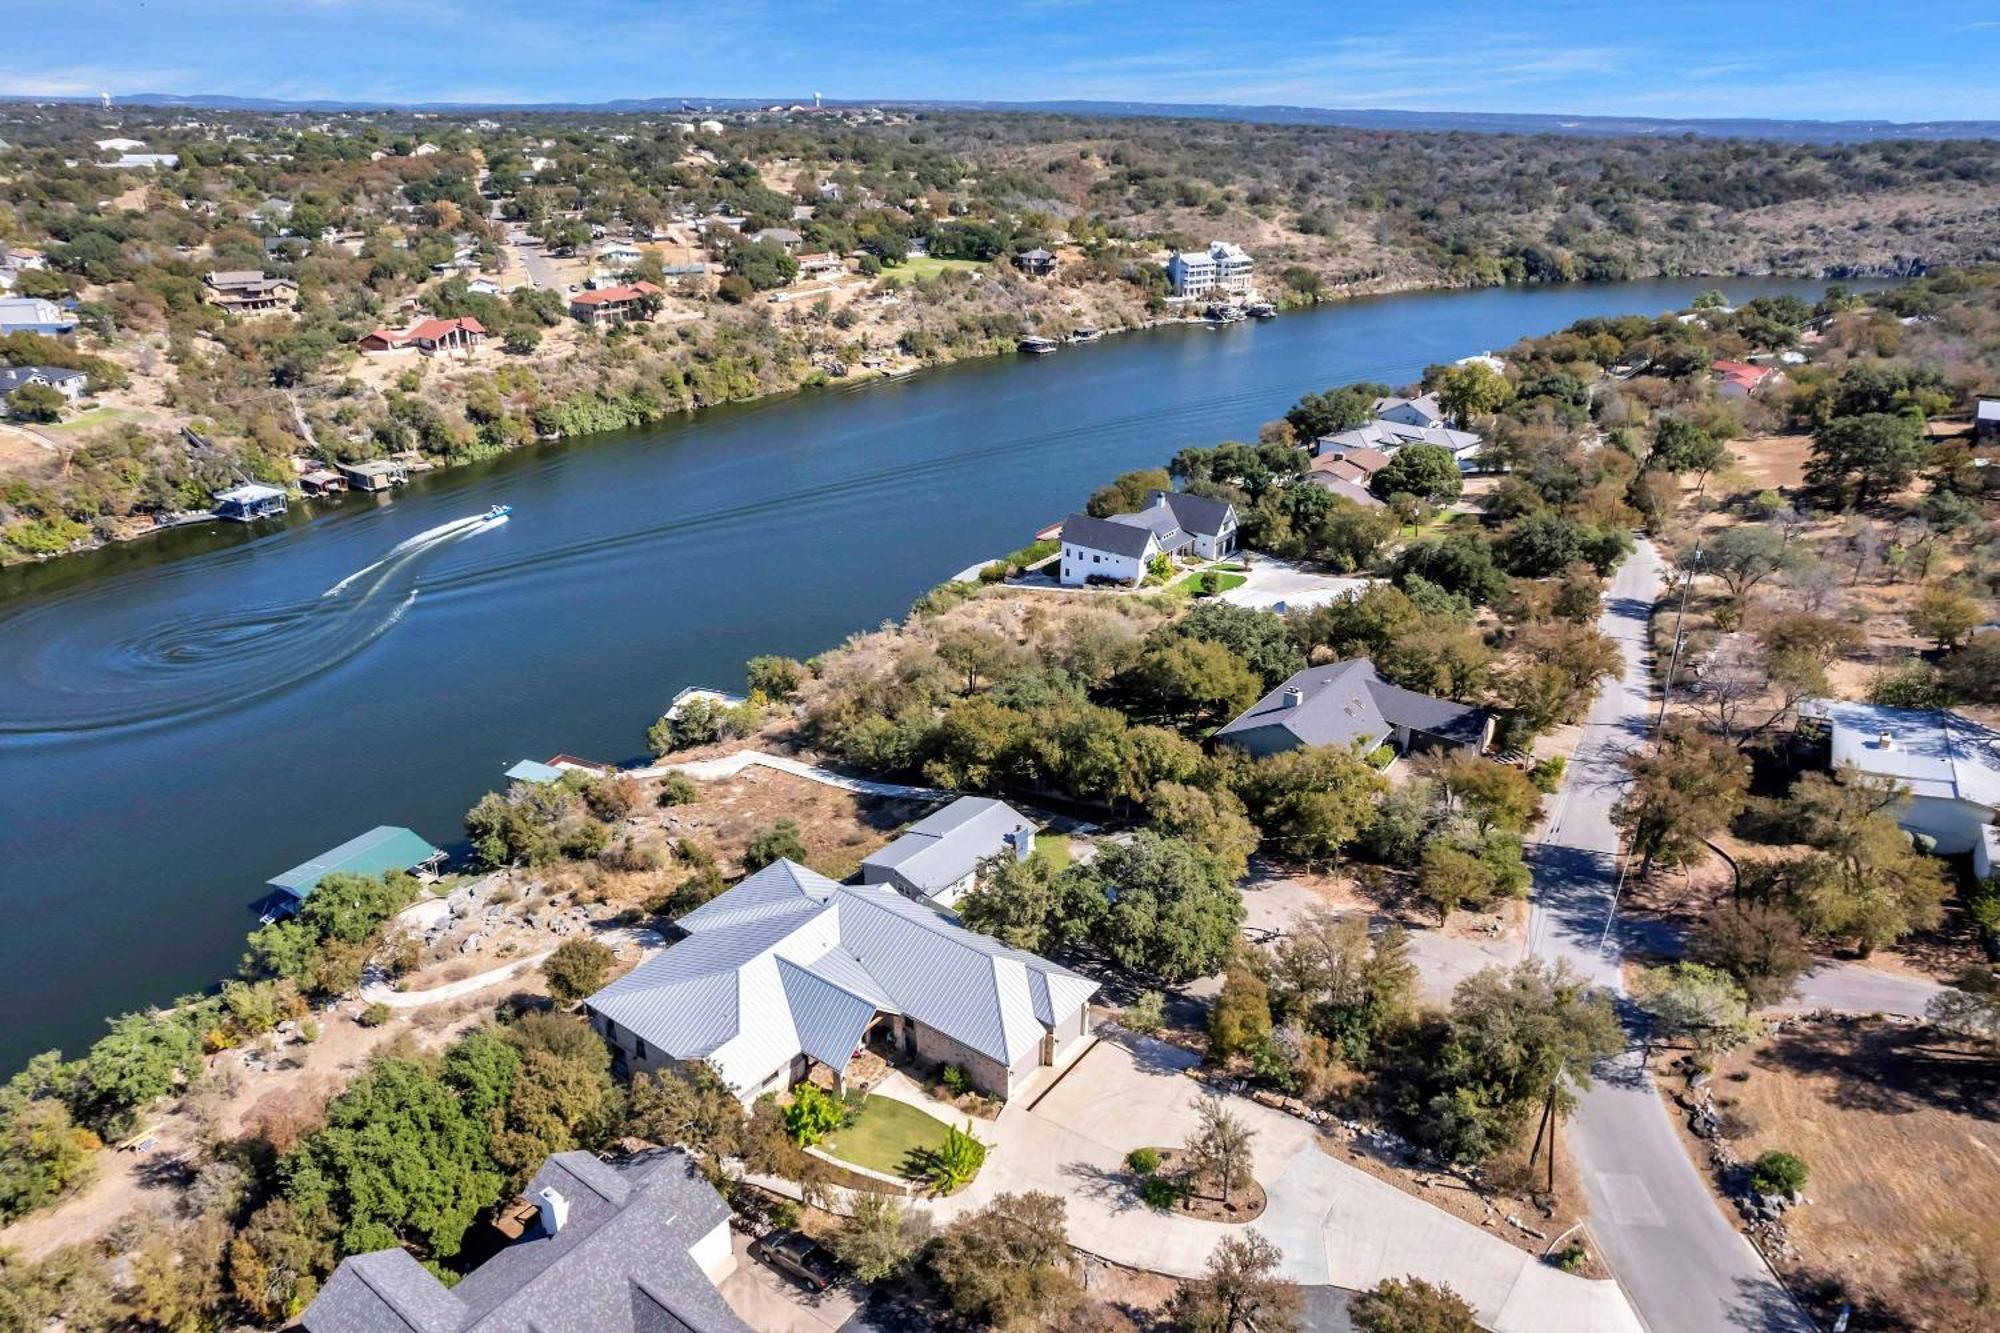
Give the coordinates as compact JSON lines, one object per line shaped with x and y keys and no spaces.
{"x":639,"y":1047}
{"x":610,"y":1030}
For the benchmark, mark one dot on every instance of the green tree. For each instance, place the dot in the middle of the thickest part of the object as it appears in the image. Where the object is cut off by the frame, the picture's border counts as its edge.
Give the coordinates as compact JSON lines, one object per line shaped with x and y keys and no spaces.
{"x":1684,"y":791}
{"x":1495,"y":796}
{"x":1312,"y":801}
{"x":561,"y":1098}
{"x":812,"y":1114}
{"x":1240,"y":1291}
{"x":1450,"y":878}
{"x":577,"y":968}
{"x":279,"y":1258}
{"x":689,"y":1106}
{"x":1008,"y":1263}
{"x":44,"y":1154}
{"x":877,"y":1239}
{"x":775,"y":677}
{"x":1411,"y":1305}
{"x":1865,"y":880}
{"x":405,"y":1158}
{"x":1742,"y":557}
{"x":1703,"y":1005}
{"x":37,"y":402}
{"x":1170,"y":912}
{"x":780,"y":842}
{"x":1259,"y":637}
{"x":1353,"y":988}
{"x":1213,"y":821}
{"x":1127,"y":493}
{"x":1190,"y":681}
{"x":1858,"y":458}
{"x":1679,"y":445}
{"x":1318,"y":415}
{"x":1471,"y":390}
{"x":1427,"y":471}
{"x":1240,"y":1019}
{"x":1014,"y":901}
{"x":765,"y":265}
{"x":1759,"y":944}
{"x":1944,"y":615}
{"x":142,"y":1058}
{"x":1778,"y":1173}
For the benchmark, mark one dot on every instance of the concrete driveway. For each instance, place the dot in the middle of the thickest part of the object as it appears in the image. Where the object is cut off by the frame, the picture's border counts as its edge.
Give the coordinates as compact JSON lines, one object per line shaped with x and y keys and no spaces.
{"x":1272,"y":581}
{"x":1337,"y":1226}
{"x":772,"y":1303}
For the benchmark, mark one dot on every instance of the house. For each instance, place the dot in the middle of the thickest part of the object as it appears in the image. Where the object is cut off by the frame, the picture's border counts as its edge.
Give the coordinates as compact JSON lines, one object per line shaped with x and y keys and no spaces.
{"x":69,"y":383}
{"x":618,"y":256}
{"x":120,"y":145}
{"x":376,"y":474}
{"x":1346,"y":488}
{"x":709,"y":126}
{"x":613,"y":305}
{"x":1948,"y":764}
{"x":1357,"y":462}
{"x":1385,"y":436}
{"x":1422,"y":410}
{"x":1740,"y":379}
{"x":247,"y":290}
{"x":432,"y":336}
{"x":1223,"y":269}
{"x":376,"y":852}
{"x":483,"y":287}
{"x":789,"y":970}
{"x":1036,"y":263}
{"x":33,"y":314}
{"x":1210,"y":523}
{"x":139,"y":161}
{"x":1986,"y":421}
{"x":1347,"y":703}
{"x":1101,"y":550}
{"x":937,"y":858}
{"x":780,"y":236}
{"x":321,"y":480}
{"x":825,"y":261}
{"x":635,"y":1245}
{"x":252,"y":500}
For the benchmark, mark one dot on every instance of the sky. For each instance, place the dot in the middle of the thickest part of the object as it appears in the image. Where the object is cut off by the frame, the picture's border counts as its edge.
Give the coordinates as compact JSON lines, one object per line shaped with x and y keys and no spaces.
{"x":1813,"y":59}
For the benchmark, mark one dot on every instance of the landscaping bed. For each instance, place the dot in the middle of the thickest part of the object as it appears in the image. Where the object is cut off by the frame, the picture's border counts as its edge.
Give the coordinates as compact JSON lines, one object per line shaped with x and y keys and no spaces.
{"x":1170,"y":1187}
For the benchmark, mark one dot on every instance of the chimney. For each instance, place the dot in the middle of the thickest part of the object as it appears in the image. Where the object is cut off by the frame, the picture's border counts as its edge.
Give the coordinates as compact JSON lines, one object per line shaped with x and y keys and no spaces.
{"x":1887,"y":741}
{"x":1293,"y":697}
{"x":1023,"y":842}
{"x":554,"y":1208}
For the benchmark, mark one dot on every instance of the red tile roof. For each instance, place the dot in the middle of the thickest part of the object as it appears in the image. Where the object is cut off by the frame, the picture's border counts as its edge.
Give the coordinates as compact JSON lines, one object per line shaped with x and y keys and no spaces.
{"x":432,"y":329}
{"x":606,"y":295}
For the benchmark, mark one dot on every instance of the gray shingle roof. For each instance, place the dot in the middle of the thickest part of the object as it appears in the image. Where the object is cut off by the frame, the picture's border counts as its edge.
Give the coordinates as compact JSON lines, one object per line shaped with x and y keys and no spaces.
{"x":944,"y":847}
{"x":1345,"y":702}
{"x":783,"y":963}
{"x":1198,"y":514}
{"x":1102,"y":534}
{"x":14,"y":377}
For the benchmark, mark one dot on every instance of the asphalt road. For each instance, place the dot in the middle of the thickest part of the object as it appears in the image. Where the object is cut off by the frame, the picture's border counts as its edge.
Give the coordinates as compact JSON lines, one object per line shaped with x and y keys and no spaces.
{"x":1682,"y":1263}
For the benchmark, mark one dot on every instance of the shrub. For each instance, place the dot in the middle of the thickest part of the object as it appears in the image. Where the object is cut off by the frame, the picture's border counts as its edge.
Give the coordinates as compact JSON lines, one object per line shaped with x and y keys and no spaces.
{"x":955,"y":1161}
{"x":779,"y":842}
{"x":678,"y":789}
{"x":576,"y":969}
{"x":812,"y":1115}
{"x":1778,"y":1173}
{"x":1571,"y":1257}
{"x":374,"y":1016}
{"x":1143,"y":1161}
{"x":1147,"y":1013}
{"x":1382,"y":756}
{"x":953,"y":1079}
{"x":1547,"y":774}
{"x":1163,"y":1193}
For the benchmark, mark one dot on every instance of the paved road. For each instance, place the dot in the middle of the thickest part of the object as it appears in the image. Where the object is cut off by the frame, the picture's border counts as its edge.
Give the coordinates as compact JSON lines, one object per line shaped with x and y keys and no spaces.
{"x":1684,"y":1265}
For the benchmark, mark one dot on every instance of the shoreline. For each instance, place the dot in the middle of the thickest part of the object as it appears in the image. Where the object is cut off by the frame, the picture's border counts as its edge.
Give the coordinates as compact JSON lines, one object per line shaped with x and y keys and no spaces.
{"x":1366,"y":290}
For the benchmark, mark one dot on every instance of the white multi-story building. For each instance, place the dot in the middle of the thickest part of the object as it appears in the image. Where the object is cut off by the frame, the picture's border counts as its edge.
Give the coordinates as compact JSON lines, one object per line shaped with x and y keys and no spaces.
{"x":1223,"y":269}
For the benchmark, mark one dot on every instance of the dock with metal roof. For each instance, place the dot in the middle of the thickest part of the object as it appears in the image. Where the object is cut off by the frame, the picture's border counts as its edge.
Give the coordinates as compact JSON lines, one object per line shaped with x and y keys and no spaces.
{"x":381,"y":849}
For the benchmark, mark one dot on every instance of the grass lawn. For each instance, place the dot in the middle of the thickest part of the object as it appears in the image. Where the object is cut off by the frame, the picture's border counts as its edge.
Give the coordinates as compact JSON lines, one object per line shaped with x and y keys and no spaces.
{"x":912,"y":269}
{"x":1053,"y":848}
{"x":1225,"y":580}
{"x":96,"y":416}
{"x":884,"y":1136}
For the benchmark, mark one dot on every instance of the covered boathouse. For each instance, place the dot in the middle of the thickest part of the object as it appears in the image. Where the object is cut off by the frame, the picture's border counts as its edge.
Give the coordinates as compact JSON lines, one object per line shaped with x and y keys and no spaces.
{"x":376,"y":852}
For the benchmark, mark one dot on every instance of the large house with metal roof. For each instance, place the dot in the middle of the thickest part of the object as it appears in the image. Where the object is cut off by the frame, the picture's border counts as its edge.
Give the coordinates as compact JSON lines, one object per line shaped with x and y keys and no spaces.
{"x":633,"y":1246}
{"x":376,"y":852}
{"x":1119,"y":548}
{"x":789,"y":970}
{"x":937,"y":858}
{"x":1948,"y":764}
{"x":1347,"y":703}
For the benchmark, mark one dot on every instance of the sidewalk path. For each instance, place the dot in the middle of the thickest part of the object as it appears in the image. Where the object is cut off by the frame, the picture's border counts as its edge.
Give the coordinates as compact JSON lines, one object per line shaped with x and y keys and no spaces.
{"x":380,"y":992}
{"x":1685,"y":1266}
{"x":711,"y":770}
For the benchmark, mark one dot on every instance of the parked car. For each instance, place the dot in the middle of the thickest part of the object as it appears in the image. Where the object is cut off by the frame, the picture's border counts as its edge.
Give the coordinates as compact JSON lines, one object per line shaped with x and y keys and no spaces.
{"x":799,"y":1257}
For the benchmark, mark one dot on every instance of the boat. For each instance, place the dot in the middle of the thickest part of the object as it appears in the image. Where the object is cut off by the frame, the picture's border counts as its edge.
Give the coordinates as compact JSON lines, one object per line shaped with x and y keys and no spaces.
{"x":499,"y":511}
{"x":1260,"y":310}
{"x":1034,"y":346}
{"x":1086,"y":335}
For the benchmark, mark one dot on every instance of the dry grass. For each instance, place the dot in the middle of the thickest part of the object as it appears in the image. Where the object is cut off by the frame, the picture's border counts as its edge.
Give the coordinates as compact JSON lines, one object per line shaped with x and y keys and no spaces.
{"x":1901,"y":1133}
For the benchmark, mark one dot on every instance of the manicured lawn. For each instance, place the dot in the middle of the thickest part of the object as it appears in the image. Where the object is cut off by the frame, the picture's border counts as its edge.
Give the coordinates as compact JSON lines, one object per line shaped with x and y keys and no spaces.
{"x":884,"y":1136}
{"x":1053,"y":848}
{"x":912,"y":269}
{"x":96,"y":416}
{"x":1225,"y":580}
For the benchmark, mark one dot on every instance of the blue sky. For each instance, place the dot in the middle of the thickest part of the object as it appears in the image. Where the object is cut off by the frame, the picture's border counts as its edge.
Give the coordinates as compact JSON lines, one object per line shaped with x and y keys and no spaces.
{"x":1831,"y":59}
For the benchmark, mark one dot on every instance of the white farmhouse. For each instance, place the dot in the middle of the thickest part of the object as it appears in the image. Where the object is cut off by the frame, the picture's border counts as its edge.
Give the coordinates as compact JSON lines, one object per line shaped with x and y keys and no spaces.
{"x":1949,"y":765}
{"x":1099,"y":550}
{"x":1223,"y":269}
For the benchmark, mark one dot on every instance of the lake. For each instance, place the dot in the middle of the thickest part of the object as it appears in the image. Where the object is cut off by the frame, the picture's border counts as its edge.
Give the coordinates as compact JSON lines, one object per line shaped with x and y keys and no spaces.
{"x":183,"y":717}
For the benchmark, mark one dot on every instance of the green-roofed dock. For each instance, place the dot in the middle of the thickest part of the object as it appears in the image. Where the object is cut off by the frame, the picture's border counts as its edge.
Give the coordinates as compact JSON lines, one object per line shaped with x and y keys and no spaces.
{"x":376,"y":852}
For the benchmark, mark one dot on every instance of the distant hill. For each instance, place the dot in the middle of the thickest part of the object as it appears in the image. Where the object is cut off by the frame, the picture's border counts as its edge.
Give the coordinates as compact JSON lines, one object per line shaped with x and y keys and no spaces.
{"x":1475,"y":122}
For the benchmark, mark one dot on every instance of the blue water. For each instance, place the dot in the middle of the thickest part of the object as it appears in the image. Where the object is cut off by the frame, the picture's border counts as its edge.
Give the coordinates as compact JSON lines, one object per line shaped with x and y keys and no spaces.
{"x":184,"y":717}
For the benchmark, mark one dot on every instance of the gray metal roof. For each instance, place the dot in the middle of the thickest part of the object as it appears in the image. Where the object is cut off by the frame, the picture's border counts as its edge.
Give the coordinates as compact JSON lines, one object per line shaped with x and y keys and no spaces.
{"x":1102,"y":534}
{"x":789,"y":962}
{"x":944,"y":847}
{"x":619,"y":1262}
{"x":1345,"y":702}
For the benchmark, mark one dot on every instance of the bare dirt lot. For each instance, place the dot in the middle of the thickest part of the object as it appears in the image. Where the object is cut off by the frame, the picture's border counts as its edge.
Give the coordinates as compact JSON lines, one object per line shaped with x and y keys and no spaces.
{"x":1901,"y":1133}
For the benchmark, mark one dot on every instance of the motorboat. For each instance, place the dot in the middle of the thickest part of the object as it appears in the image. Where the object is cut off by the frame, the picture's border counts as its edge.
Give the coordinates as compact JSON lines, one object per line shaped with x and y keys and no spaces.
{"x":499,"y":511}
{"x":1034,"y":346}
{"x":1260,"y":310}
